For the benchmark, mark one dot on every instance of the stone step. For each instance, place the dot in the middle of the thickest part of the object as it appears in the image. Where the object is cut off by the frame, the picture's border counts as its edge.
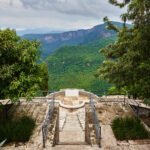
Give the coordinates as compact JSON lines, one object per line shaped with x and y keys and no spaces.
{"x":72,"y":129}
{"x":72,"y":136}
{"x":75,"y":147}
{"x":72,"y":133}
{"x":72,"y":143}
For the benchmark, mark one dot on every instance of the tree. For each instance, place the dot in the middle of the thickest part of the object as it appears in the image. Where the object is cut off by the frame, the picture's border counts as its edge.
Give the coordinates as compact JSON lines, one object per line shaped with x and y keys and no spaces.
{"x":43,"y":71}
{"x":127,"y":63}
{"x":20,"y":73}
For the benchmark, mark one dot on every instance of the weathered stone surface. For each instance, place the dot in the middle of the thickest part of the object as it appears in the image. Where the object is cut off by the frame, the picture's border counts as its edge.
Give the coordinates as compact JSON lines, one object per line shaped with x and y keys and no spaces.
{"x":72,"y":133}
{"x":72,"y":125}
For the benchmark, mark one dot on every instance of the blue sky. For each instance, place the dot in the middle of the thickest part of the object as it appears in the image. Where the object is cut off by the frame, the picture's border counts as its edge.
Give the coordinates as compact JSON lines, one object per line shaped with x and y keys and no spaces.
{"x":56,"y":14}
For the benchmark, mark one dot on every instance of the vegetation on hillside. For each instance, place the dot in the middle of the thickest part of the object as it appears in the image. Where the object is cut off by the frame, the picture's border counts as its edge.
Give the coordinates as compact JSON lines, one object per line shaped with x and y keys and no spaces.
{"x":129,"y":129}
{"x":18,"y":130}
{"x":74,"y":67}
{"x":52,"y":41}
{"x":20,"y":73}
{"x":147,"y":101}
{"x":115,"y":91}
{"x":127,"y":63}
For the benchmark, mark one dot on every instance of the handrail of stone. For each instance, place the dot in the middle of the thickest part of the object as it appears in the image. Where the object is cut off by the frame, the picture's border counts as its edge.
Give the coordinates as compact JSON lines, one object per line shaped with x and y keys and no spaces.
{"x":81,"y":91}
{"x":89,"y":94}
{"x":112,"y":98}
{"x":54,"y":94}
{"x":70,"y":106}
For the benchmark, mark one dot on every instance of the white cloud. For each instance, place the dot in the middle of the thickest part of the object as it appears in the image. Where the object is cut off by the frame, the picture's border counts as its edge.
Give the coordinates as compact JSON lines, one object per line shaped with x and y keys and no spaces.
{"x":56,"y":14}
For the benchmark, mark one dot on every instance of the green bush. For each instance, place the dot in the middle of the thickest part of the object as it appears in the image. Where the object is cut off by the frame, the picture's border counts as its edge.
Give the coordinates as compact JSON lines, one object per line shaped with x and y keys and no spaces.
{"x":115,"y":91}
{"x":18,"y":130}
{"x":147,"y":101}
{"x":129,"y":129}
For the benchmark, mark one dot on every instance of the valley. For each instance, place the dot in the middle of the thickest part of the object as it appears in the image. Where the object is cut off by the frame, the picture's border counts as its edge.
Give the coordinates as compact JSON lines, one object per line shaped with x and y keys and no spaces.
{"x":75,"y":66}
{"x":73,"y":57}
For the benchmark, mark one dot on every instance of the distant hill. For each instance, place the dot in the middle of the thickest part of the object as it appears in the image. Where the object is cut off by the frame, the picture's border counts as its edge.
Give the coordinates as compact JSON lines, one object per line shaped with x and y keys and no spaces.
{"x":73,"y":57}
{"x":51,"y":42}
{"x":22,"y":32}
{"x":74,"y":66}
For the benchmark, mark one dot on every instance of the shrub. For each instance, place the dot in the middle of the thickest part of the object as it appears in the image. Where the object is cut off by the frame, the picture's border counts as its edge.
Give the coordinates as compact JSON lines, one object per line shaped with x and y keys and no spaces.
{"x":18,"y":130}
{"x":115,"y":91}
{"x":147,"y":101}
{"x":129,"y":129}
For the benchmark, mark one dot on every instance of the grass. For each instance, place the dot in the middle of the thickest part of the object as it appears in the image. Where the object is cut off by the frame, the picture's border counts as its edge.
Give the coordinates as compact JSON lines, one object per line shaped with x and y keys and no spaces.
{"x":129,"y":128}
{"x":18,"y":130}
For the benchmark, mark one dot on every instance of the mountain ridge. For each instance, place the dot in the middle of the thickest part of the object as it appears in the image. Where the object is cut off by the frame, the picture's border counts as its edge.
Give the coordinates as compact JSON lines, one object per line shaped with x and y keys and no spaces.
{"x":52,"y":41}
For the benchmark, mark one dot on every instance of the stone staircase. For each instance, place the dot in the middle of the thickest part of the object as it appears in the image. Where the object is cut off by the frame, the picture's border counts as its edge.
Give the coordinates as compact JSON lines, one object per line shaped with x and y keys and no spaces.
{"x":72,"y":133}
{"x":75,"y":147}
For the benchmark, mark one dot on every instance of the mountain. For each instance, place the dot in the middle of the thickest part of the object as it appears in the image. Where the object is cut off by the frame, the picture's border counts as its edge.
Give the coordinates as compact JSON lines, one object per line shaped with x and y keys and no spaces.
{"x":22,"y":32}
{"x":74,"y":66}
{"x":52,"y":41}
{"x":73,"y":57}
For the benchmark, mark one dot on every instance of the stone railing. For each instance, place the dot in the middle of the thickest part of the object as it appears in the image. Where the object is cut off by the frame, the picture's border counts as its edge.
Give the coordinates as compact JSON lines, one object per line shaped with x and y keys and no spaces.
{"x":72,"y":106}
{"x":81,"y":92}
{"x":88,"y":94}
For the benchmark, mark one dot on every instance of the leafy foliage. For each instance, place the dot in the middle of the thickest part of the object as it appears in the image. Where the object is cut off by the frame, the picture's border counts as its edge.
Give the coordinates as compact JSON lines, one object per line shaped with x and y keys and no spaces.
{"x":127,"y":60}
{"x":129,"y":129}
{"x":18,"y":130}
{"x":74,"y":66}
{"x":114,"y":91}
{"x":20,"y":74}
{"x":147,"y":101}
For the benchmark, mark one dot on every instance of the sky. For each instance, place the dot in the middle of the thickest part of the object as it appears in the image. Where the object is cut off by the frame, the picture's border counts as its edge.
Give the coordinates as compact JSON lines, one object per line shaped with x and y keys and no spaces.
{"x":56,"y":14}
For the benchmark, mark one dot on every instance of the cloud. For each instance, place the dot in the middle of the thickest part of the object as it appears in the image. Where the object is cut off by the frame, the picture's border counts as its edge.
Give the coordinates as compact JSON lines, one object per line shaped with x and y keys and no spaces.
{"x":90,"y":8}
{"x":57,"y":14}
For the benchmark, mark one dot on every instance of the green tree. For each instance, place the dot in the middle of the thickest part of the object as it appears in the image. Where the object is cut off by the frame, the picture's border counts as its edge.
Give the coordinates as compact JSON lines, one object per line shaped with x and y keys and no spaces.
{"x":20,"y":73}
{"x":43,"y":72}
{"x":127,"y":63}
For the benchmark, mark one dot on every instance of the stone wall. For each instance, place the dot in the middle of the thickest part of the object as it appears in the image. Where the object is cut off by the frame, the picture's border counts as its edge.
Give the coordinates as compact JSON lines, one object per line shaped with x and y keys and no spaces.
{"x":53,"y":129}
{"x":141,"y":111}
{"x":90,"y":136}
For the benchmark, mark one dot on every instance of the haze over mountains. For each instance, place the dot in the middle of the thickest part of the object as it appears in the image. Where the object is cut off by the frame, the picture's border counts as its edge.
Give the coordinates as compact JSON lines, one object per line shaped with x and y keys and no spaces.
{"x":52,"y":41}
{"x":22,"y":32}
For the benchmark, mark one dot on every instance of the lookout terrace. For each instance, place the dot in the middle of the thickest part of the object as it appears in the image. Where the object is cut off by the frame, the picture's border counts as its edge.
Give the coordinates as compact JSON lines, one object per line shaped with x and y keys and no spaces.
{"x":73,"y":119}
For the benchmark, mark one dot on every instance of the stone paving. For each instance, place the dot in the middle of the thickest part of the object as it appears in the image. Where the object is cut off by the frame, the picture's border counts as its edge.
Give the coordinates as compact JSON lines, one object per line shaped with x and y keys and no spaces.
{"x":72,"y":132}
{"x":106,"y":113}
{"x":75,"y":147}
{"x":72,"y":125}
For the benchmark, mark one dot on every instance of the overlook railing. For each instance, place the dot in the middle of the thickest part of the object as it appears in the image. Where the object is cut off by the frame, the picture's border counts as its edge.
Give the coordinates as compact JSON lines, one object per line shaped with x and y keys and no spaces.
{"x":46,"y":122}
{"x":96,"y":124}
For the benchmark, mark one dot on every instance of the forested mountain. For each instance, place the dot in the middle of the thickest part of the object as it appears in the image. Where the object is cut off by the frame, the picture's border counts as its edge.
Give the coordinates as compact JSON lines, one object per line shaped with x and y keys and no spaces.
{"x":74,"y":66}
{"x":73,"y":57}
{"x":51,"y":42}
